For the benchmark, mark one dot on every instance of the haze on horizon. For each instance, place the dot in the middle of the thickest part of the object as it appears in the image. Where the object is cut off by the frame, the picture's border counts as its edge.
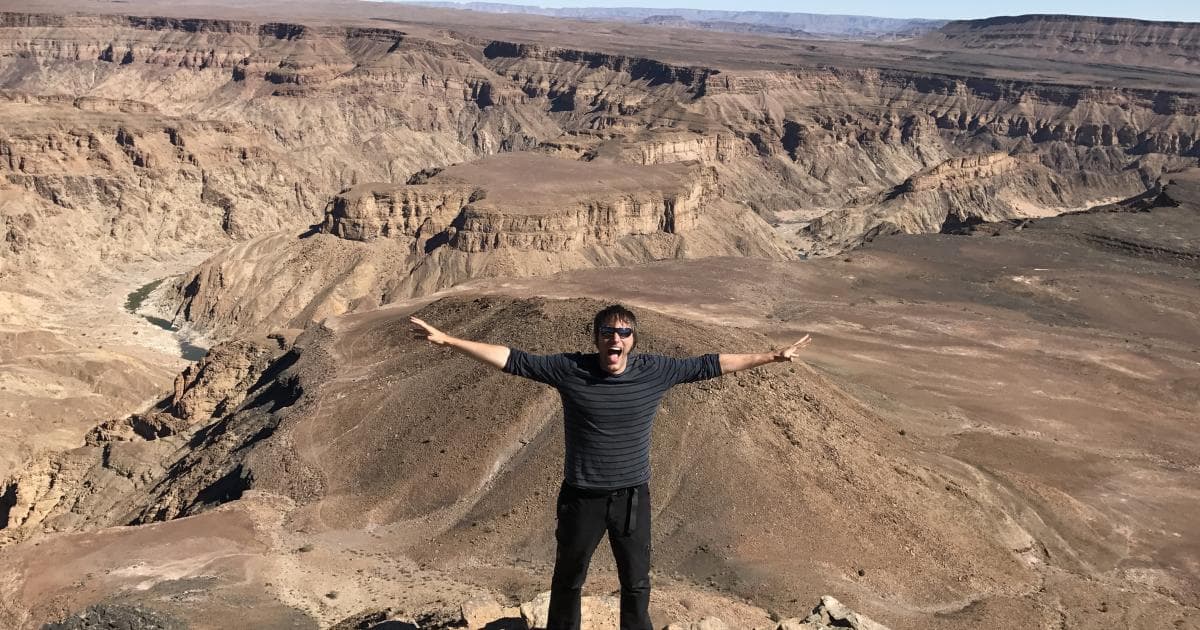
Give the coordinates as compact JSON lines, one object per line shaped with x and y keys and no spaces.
{"x":1167,"y":10}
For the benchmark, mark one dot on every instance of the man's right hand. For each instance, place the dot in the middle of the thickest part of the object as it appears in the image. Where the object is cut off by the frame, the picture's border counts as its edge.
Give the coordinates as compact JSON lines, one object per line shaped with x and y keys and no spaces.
{"x":422,"y":330}
{"x":493,"y":355}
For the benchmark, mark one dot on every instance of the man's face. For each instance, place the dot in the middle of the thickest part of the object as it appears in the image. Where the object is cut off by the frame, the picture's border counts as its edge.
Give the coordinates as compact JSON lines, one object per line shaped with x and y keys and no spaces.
{"x":613,"y":349}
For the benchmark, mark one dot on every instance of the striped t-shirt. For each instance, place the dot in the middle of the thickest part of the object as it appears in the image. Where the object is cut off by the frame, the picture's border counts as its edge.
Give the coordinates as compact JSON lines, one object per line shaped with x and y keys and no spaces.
{"x":608,"y":417}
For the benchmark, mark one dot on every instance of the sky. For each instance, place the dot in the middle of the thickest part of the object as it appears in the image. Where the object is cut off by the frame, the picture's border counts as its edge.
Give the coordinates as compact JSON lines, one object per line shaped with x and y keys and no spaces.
{"x":1175,"y":10}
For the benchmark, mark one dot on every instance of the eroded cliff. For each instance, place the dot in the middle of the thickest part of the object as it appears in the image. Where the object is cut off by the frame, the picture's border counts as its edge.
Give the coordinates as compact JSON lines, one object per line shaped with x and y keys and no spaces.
{"x":299,"y":112}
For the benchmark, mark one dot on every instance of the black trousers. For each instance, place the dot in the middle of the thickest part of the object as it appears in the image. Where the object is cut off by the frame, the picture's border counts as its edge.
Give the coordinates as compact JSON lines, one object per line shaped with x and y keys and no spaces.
{"x":583,"y":517}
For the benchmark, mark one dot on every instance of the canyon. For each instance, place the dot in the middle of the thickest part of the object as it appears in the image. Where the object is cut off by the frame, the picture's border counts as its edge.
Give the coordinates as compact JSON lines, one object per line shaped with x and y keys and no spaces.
{"x":991,"y":228}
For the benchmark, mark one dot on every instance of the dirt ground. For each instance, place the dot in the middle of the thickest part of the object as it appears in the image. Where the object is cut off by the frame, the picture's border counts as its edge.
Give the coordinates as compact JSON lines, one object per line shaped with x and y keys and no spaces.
{"x":1047,"y":377}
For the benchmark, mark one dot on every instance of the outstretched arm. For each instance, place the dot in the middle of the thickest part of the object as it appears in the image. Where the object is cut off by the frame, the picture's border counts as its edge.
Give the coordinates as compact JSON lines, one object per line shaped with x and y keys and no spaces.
{"x":736,"y":362}
{"x":493,"y":355}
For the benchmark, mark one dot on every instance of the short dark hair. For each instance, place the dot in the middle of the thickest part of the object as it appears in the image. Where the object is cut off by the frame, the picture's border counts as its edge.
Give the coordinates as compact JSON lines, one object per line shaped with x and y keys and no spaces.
{"x":611,"y":313}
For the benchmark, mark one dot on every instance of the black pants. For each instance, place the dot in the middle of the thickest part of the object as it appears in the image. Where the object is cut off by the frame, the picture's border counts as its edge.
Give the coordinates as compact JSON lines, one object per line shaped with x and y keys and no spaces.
{"x":583,"y":517}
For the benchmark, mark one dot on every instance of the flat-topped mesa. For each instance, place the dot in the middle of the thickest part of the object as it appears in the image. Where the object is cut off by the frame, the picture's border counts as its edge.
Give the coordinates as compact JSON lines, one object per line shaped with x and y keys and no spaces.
{"x":591,"y":222}
{"x":569,"y":204}
{"x":526,"y":201}
{"x":372,"y":211}
{"x":510,"y":215}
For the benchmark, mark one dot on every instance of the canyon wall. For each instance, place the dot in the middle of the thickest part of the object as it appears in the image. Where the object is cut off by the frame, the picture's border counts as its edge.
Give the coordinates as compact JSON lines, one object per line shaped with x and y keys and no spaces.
{"x":194,"y":133}
{"x":158,"y":135}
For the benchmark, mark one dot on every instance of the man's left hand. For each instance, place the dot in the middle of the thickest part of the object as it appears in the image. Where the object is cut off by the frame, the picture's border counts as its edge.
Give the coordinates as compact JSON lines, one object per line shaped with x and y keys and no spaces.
{"x":789,"y":353}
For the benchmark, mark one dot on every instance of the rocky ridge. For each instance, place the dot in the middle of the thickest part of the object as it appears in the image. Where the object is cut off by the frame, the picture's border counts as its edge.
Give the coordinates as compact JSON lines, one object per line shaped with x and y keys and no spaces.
{"x":378,"y":397}
{"x":266,"y":444}
{"x":977,"y":189}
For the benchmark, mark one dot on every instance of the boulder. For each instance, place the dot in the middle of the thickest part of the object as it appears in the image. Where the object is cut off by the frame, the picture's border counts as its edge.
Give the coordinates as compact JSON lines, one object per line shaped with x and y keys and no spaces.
{"x":599,"y":613}
{"x":480,"y":611}
{"x":829,"y":614}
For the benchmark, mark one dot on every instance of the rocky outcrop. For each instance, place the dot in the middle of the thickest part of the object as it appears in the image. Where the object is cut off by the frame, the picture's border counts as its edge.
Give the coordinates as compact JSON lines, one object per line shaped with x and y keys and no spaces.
{"x":974,"y":189}
{"x":958,"y":172}
{"x":829,"y":614}
{"x":97,"y":484}
{"x":603,"y":613}
{"x":595,"y":221}
{"x":369,"y":212}
{"x":205,"y":391}
{"x":218,"y":383}
{"x":80,"y":487}
{"x":638,"y":69}
{"x":680,"y":147}
{"x":595,"y":90}
{"x":597,"y":613}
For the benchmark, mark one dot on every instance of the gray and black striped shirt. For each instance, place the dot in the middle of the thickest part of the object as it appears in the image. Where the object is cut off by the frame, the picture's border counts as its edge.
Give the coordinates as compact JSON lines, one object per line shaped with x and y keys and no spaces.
{"x":608,"y":417}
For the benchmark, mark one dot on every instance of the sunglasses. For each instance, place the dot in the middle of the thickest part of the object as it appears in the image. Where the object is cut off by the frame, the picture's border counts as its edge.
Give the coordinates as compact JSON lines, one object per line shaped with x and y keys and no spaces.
{"x":607,"y":331}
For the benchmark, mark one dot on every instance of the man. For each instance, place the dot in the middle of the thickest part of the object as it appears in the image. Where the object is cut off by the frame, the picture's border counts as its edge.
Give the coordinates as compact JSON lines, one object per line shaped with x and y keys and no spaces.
{"x":609,"y":402}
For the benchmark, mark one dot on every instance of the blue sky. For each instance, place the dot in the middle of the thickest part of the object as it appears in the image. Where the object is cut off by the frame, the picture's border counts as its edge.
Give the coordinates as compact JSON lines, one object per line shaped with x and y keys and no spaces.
{"x":1178,"y":10}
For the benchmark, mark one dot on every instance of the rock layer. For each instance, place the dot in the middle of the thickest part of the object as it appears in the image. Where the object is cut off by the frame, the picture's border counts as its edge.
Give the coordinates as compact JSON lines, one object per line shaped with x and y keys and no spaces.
{"x":796,"y":142}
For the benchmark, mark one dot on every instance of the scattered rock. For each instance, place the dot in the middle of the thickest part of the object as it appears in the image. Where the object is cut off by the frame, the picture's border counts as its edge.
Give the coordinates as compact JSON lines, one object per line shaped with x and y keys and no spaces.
{"x":117,"y":617}
{"x":829,"y":615}
{"x":603,"y":613}
{"x":384,"y":619}
{"x":598,"y":613}
{"x":481,"y":611}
